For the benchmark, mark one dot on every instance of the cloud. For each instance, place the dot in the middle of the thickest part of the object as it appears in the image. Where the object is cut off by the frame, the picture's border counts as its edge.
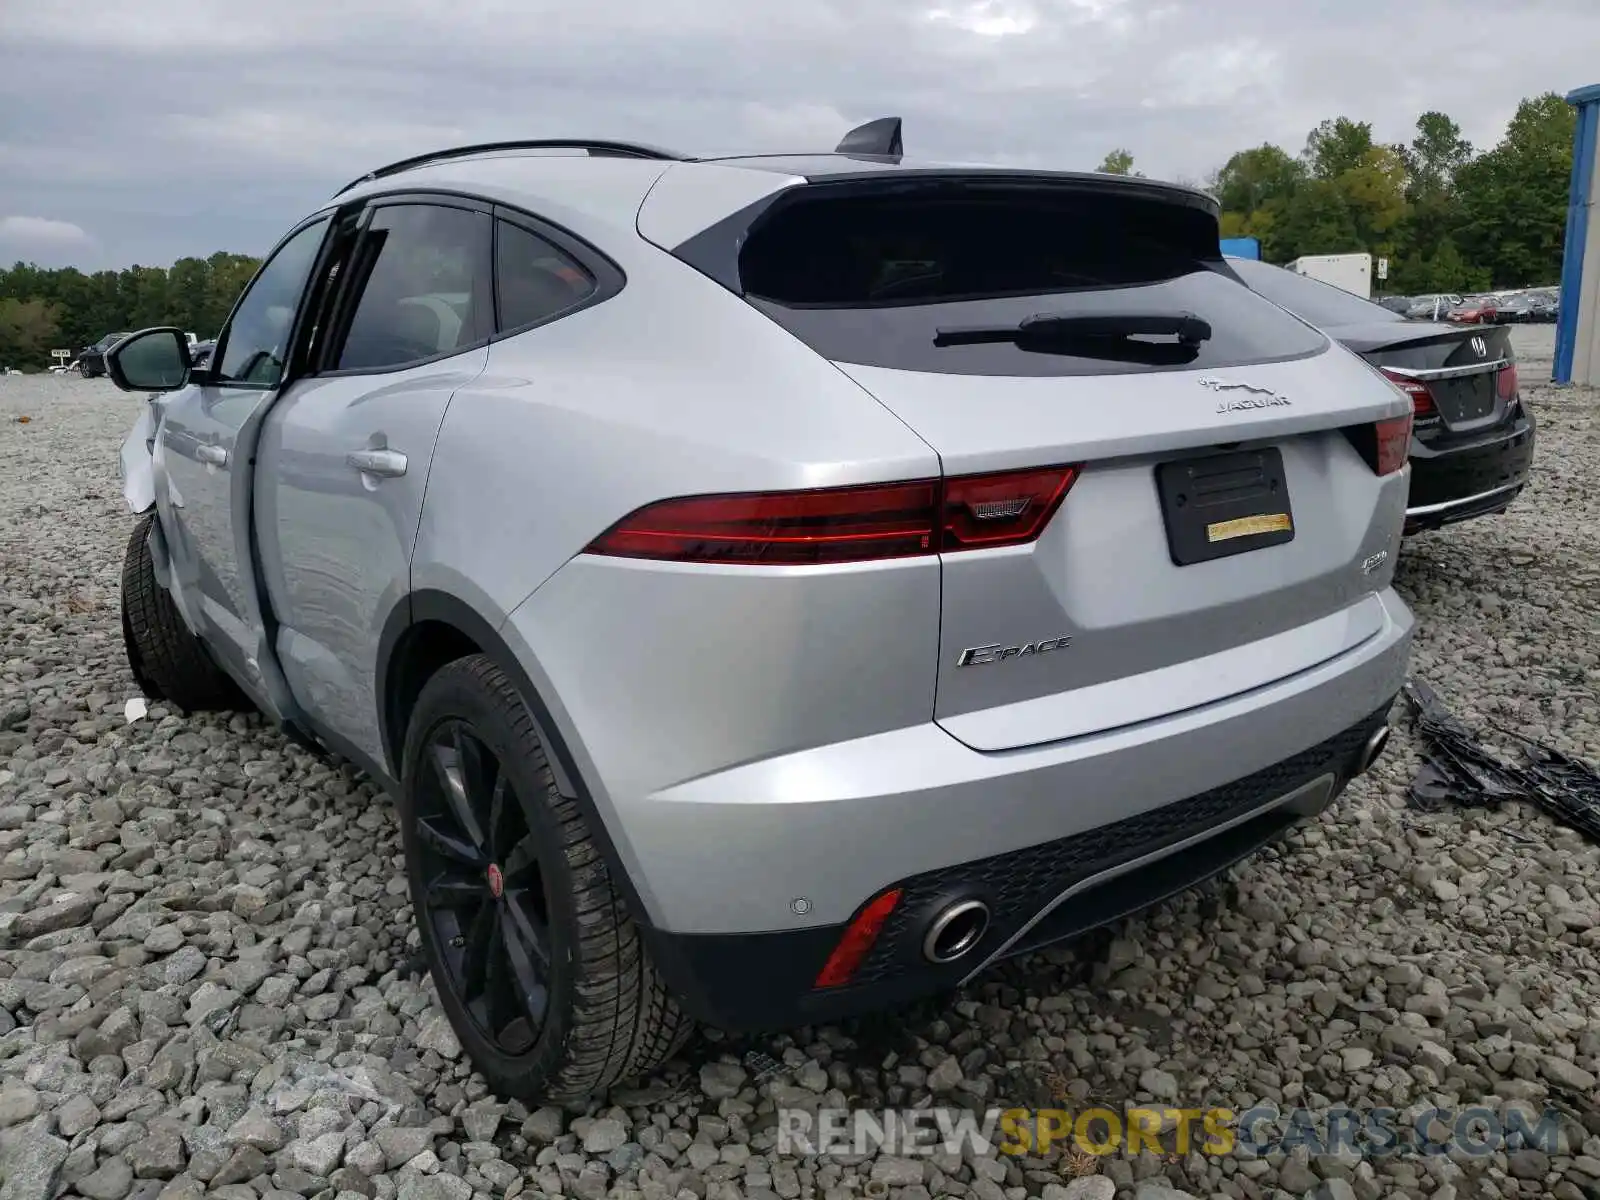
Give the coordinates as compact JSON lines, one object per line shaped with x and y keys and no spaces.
{"x":41,"y":231}
{"x":194,"y":125}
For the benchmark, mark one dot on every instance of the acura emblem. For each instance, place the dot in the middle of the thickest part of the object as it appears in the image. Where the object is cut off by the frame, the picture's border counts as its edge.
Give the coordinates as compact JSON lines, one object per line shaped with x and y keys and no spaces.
{"x":1480,"y":347}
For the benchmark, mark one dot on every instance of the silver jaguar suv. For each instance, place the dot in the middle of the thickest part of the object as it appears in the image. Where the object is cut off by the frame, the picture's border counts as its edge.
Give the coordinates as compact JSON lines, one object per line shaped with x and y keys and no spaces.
{"x":771,"y":587}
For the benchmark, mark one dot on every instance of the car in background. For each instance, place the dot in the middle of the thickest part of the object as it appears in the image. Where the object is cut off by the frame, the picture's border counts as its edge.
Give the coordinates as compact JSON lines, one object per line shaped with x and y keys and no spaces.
{"x":1546,"y":306}
{"x":92,"y":359}
{"x":1475,"y":310}
{"x":1396,"y":304}
{"x":1516,"y":310}
{"x":1433,"y":307}
{"x":200,"y":353}
{"x":1472,"y":438}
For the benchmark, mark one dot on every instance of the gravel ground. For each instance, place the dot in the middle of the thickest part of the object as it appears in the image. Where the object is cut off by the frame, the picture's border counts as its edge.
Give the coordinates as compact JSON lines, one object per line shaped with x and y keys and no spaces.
{"x":207,"y":982}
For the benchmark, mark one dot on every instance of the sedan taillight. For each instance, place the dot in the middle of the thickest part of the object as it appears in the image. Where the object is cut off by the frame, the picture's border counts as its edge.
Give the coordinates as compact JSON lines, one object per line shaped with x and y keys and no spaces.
{"x":1422,"y":406}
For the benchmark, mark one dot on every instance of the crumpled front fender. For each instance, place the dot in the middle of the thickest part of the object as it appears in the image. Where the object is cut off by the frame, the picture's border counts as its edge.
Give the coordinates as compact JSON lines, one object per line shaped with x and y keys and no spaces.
{"x":136,"y":464}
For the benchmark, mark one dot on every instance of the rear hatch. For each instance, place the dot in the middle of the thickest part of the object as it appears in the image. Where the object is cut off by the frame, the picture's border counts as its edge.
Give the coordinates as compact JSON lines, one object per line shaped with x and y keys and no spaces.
{"x":1226,"y":484}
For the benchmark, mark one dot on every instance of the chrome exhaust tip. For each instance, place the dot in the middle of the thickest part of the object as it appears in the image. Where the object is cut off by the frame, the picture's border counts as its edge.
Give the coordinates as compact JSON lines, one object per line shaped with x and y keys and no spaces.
{"x":1373,"y":749}
{"x":955,"y":931}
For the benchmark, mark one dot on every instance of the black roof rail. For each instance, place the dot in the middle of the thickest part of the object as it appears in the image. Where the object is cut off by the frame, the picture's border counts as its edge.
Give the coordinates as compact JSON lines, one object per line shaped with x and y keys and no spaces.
{"x":596,"y":147}
{"x":880,"y":137}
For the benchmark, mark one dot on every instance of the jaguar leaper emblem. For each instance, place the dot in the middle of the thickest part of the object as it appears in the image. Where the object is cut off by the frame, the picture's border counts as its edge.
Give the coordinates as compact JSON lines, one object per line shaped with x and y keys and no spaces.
{"x":1254,"y":397}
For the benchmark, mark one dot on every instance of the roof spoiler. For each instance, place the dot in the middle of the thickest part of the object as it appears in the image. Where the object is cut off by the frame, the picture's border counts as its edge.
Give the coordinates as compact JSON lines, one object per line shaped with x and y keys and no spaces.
{"x":880,"y":137}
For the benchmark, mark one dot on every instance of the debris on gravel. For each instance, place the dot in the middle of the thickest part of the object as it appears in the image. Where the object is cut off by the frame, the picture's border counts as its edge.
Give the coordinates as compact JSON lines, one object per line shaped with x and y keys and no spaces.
{"x":206,"y":945}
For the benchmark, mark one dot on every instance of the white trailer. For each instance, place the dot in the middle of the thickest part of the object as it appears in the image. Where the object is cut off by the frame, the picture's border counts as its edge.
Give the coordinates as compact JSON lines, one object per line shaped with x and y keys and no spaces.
{"x":1352,"y":272}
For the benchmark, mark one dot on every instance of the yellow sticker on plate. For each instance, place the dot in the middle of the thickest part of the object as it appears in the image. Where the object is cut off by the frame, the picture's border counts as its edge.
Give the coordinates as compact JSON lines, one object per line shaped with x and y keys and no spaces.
{"x":1222,"y":531}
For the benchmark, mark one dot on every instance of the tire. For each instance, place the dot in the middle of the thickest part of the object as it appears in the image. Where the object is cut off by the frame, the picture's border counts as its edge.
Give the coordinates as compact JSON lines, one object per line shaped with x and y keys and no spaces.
{"x":168,"y":662}
{"x":599,"y":1012}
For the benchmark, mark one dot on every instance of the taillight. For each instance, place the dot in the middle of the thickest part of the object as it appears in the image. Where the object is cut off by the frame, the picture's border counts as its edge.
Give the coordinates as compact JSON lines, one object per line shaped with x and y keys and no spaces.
{"x":1422,"y":406}
{"x":857,"y":942}
{"x":848,"y":524}
{"x":1506,"y":382}
{"x":1009,"y":509}
{"x":1394,"y":444}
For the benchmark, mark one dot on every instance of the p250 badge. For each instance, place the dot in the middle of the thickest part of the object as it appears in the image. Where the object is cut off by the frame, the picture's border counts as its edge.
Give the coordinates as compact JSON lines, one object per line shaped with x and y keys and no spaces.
{"x":978,"y":656}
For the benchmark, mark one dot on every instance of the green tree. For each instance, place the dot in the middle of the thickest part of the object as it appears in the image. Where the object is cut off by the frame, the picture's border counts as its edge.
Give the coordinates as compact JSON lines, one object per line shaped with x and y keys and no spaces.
{"x":28,"y":329}
{"x":1118,"y":162}
{"x":1254,"y":178}
{"x":1434,"y":156}
{"x":1337,"y":146}
{"x":194,"y":294}
{"x":1514,"y":197}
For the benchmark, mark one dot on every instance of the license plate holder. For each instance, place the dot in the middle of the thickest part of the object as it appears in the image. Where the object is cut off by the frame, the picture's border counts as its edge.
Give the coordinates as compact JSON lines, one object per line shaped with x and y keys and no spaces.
{"x":1219,"y":505}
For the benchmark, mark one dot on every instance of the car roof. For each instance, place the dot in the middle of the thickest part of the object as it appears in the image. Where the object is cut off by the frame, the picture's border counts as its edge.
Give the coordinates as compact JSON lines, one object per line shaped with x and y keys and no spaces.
{"x":608,"y":180}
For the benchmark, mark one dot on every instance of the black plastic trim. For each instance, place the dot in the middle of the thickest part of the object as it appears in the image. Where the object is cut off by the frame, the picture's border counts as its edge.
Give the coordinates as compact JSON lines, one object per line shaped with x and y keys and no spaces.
{"x":597,"y":147}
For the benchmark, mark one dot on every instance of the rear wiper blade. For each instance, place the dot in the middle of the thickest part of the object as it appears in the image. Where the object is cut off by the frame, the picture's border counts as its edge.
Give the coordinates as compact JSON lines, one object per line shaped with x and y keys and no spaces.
{"x":1189,"y":329}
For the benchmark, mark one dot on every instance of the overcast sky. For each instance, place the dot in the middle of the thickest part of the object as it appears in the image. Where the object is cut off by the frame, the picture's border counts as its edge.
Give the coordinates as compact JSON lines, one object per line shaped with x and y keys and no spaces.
{"x":143,"y":130}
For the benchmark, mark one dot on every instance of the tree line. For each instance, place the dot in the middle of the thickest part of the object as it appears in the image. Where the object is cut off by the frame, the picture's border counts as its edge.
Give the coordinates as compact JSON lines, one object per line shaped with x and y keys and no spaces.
{"x":65,"y":309}
{"x":1448,"y":217}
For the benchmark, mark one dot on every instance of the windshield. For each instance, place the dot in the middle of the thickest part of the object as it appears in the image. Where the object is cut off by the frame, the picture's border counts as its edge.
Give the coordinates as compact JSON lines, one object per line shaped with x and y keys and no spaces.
{"x":1312,"y":300}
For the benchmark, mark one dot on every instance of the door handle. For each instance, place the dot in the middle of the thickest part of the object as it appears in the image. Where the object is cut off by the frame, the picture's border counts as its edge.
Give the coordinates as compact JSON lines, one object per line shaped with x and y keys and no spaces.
{"x":217,"y":456}
{"x":389,"y":463}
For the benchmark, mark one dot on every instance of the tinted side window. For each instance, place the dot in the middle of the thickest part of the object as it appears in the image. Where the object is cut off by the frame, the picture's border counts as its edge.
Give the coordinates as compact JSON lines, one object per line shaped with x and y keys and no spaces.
{"x":871,"y":277}
{"x":256,"y":345}
{"x":423,"y":274}
{"x":535,"y":279}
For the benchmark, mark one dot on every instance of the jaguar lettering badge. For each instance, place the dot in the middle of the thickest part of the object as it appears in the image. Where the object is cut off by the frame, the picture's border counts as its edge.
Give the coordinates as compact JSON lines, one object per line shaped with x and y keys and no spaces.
{"x":1369,"y":565}
{"x":1255,"y":397}
{"x":978,"y":656}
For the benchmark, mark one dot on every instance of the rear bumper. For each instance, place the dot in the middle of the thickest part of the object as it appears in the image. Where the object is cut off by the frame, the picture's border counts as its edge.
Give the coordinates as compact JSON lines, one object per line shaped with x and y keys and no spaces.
{"x":1453,"y":482}
{"x":1056,"y":839}
{"x":1037,"y":896}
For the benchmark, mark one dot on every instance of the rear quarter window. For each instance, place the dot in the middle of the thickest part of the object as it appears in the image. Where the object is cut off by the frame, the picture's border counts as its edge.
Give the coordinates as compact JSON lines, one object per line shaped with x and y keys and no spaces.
{"x":869,"y":277}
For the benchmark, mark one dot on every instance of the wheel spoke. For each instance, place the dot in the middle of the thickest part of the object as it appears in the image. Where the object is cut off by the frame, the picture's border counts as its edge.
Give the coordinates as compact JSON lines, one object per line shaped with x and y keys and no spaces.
{"x":497,"y":811}
{"x":528,"y":958}
{"x":454,"y":891}
{"x":523,"y":859}
{"x":448,"y":844}
{"x":448,"y":766}
{"x":478,"y":773}
{"x":481,"y":939}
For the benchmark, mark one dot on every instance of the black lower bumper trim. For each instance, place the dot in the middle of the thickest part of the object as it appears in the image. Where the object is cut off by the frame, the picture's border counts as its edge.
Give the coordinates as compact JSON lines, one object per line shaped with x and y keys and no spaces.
{"x":763,"y":981}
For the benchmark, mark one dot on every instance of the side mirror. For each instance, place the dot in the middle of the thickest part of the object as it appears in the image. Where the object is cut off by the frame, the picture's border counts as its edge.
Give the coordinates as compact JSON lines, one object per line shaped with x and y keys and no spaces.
{"x":152,"y":360}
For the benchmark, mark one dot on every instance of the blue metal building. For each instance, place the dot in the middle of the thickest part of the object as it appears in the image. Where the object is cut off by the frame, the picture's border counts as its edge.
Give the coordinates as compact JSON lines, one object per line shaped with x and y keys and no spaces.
{"x":1578,"y":322}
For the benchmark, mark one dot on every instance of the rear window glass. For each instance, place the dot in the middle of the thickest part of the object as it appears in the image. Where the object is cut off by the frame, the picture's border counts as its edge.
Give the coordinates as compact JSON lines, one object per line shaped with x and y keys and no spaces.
{"x":1311,"y":299}
{"x":871,"y":278}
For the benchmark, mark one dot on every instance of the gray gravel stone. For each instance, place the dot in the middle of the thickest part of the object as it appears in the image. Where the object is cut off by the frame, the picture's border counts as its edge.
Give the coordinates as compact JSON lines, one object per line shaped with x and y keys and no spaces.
{"x":205,"y":936}
{"x":30,"y":1163}
{"x":112,"y":1180}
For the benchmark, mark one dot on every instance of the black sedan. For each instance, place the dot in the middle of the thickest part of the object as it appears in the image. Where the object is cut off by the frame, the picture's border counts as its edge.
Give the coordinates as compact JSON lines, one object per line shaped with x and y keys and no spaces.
{"x":92,"y":359}
{"x":1472,"y":438}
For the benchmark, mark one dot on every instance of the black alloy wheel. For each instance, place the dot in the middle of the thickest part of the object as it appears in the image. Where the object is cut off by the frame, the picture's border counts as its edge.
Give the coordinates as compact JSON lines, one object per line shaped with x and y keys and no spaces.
{"x":538,"y":963}
{"x":483,"y":892}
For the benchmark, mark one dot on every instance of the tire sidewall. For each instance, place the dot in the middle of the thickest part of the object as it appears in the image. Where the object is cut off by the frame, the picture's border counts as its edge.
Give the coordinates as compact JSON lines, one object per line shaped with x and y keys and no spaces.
{"x":457,"y":693}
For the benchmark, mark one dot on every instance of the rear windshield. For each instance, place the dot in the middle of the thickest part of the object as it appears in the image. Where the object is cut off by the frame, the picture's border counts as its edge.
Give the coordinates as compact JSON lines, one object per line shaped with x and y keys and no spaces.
{"x":1311,"y":299}
{"x":871,"y":277}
